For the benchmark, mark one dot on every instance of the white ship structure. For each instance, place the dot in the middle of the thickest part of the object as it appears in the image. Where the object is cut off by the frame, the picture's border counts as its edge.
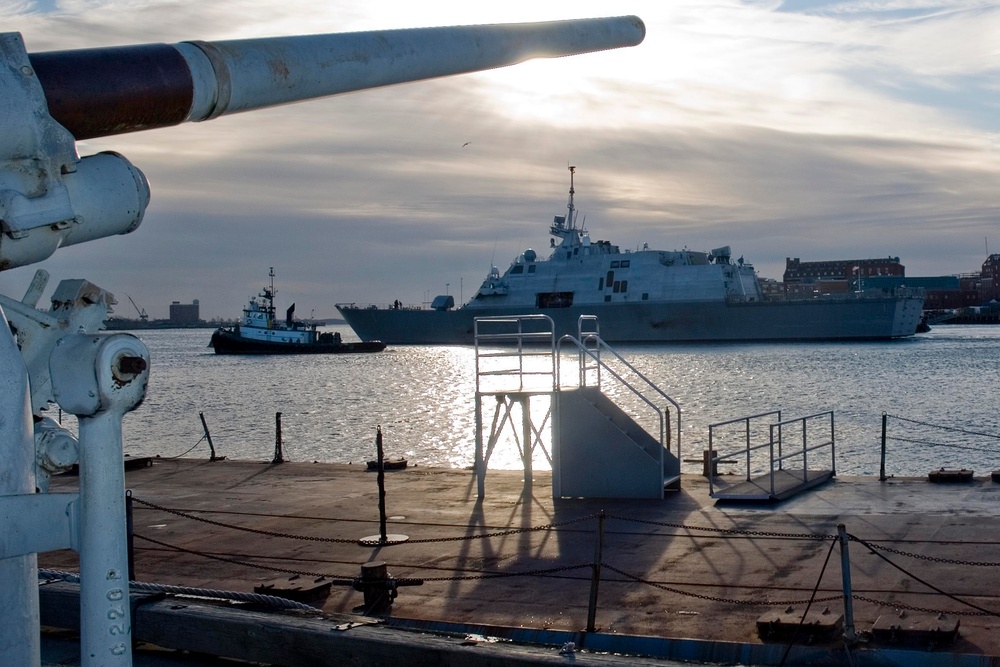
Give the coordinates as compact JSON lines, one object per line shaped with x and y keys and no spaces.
{"x":648,"y":295}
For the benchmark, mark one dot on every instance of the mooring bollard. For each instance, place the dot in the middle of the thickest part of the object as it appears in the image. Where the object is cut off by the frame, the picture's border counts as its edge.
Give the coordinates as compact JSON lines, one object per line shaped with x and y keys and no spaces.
{"x":376,"y":586}
{"x":278,"y":456}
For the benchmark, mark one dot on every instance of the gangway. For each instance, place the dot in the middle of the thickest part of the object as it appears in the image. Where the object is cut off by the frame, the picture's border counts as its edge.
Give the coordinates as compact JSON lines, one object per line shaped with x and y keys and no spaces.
{"x":598,"y":449}
{"x":775,"y":467}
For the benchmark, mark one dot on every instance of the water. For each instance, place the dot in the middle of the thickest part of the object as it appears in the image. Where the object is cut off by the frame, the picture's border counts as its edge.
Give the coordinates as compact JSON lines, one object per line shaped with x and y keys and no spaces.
{"x":423,"y":398}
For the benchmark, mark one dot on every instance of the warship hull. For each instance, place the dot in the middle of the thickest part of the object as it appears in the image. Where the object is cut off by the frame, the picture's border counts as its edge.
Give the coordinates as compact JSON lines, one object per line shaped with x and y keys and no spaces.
{"x":852,"y":317}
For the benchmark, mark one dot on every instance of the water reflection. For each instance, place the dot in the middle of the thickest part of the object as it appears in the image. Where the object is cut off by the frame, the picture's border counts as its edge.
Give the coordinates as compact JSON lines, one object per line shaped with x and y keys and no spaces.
{"x":423,"y":397}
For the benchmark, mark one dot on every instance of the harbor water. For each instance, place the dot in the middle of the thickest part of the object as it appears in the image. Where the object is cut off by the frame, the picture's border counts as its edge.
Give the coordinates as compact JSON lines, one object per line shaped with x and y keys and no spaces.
{"x":939,"y":389}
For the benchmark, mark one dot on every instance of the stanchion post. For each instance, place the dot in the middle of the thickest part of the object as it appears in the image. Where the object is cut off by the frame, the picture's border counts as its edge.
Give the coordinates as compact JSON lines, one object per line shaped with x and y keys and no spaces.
{"x":667,"y":438}
{"x":130,"y":535}
{"x":383,"y":538}
{"x":595,"y":579}
{"x":845,"y":569}
{"x":208,"y":436}
{"x":881,"y":472}
{"x":381,"y":483}
{"x":278,"y":455}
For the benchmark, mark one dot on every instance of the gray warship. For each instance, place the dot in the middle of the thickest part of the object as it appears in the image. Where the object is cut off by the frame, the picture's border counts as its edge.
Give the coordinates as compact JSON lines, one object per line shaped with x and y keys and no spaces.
{"x":646,"y":296}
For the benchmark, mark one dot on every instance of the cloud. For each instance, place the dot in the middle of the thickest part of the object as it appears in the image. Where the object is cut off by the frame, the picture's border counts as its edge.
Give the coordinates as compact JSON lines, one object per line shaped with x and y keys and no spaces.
{"x":812,"y":130}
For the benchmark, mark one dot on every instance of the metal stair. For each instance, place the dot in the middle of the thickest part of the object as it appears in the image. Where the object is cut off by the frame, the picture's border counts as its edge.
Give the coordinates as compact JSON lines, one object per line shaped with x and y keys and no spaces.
{"x":599,"y":450}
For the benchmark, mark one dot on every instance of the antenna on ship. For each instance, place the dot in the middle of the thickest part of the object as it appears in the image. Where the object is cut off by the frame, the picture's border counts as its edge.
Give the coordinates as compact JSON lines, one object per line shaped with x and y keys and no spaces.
{"x":571,"y":218}
{"x":270,"y":295}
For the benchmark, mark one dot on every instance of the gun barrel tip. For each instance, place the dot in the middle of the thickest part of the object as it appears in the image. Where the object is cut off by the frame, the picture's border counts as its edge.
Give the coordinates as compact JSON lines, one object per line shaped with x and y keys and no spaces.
{"x":640,"y":26}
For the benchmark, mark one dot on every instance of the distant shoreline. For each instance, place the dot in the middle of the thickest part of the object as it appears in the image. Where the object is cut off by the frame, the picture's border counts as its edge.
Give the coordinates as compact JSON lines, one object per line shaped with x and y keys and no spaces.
{"x":122,"y":324}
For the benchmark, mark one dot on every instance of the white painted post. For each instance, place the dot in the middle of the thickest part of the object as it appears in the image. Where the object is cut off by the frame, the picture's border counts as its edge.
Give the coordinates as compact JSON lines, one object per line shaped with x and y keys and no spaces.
{"x":20,"y":642}
{"x":100,"y":377}
{"x":105,"y":620}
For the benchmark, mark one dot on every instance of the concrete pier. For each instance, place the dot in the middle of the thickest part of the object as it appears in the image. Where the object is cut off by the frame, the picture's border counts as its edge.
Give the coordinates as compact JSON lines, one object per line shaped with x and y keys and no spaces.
{"x":683,"y":567}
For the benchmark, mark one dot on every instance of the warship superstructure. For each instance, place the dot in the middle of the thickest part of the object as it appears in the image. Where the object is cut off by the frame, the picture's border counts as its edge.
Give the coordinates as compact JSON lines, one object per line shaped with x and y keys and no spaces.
{"x":642,"y":296}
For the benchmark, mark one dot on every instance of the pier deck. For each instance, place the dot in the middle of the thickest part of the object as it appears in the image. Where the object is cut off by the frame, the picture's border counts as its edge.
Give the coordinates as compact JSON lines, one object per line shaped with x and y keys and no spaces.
{"x":682,"y":567}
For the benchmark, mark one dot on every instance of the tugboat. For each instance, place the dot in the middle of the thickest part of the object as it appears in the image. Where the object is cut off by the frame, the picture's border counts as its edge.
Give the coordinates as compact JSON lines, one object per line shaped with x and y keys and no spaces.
{"x":259,"y":332}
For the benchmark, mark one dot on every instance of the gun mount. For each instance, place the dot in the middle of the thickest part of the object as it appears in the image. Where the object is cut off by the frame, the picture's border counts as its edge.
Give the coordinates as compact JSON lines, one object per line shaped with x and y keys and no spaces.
{"x":51,"y":197}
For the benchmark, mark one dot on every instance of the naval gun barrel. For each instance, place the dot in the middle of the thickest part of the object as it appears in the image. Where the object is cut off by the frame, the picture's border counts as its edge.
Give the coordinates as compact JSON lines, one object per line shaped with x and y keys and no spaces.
{"x":112,"y":90}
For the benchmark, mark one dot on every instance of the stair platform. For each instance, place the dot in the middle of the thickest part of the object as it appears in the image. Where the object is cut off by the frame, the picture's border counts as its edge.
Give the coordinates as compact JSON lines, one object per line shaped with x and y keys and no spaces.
{"x":787,"y":483}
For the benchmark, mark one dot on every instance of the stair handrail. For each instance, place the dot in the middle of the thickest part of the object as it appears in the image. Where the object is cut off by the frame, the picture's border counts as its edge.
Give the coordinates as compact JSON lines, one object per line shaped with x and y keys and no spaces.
{"x":595,"y":355}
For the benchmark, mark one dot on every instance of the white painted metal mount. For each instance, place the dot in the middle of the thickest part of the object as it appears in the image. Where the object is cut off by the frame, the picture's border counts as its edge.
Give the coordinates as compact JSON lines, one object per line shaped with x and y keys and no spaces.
{"x":100,"y":377}
{"x":49,"y":196}
{"x":19,"y":639}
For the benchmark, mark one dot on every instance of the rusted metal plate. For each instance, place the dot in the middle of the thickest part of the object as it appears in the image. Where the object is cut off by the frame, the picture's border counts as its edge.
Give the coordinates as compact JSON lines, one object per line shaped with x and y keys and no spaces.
{"x":915,"y":629}
{"x":819,"y":625}
{"x":302,"y":589}
{"x":944,"y":475}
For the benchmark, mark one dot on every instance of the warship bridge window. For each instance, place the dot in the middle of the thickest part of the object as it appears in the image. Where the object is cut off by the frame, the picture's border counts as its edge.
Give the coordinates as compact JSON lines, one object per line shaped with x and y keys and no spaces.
{"x":600,"y":284}
{"x":517,"y":269}
{"x":617,"y":287}
{"x":554,"y":300}
{"x":626,"y":263}
{"x":615,"y":264}
{"x":607,"y":297}
{"x":645,"y":296}
{"x":531,"y":268}
{"x":611,"y":278}
{"x":624,"y":285}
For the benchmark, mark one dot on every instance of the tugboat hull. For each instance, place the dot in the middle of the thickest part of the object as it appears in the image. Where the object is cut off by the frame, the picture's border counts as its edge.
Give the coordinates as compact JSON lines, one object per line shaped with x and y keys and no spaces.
{"x":227,"y":342}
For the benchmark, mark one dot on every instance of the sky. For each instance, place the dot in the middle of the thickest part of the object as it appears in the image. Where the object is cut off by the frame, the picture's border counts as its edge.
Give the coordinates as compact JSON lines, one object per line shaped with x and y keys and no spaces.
{"x":846,"y":129}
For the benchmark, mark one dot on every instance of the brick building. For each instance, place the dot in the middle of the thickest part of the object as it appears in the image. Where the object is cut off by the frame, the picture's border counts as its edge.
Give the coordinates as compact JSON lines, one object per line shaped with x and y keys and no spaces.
{"x":185,"y":313}
{"x":797,"y":271}
{"x":989,"y":287}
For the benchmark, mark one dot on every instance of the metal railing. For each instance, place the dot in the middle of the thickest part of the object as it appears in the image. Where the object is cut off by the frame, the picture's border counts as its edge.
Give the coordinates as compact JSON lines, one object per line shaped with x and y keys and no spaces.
{"x":747,"y":449}
{"x":590,"y":346}
{"x":806,"y":448}
{"x":511,"y":336}
{"x":778,"y":434}
{"x":502,"y":346}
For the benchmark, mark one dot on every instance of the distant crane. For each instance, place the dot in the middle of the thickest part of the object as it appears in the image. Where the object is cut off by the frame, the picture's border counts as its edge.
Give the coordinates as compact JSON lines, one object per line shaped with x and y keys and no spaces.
{"x":143,"y":317}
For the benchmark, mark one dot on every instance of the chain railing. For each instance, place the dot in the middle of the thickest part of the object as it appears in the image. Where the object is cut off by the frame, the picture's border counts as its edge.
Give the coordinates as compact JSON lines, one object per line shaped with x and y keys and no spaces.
{"x":692,"y":589}
{"x":934,"y":443}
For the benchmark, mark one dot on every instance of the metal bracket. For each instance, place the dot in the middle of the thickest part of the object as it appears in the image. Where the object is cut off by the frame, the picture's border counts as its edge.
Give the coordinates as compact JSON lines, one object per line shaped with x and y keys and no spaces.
{"x":23,"y":515}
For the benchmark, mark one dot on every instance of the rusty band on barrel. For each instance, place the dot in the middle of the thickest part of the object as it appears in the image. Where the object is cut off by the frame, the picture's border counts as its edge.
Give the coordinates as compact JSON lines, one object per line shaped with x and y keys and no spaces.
{"x":113,"y":90}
